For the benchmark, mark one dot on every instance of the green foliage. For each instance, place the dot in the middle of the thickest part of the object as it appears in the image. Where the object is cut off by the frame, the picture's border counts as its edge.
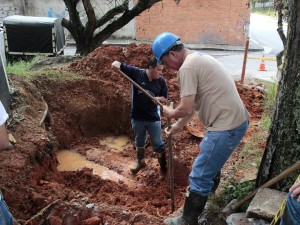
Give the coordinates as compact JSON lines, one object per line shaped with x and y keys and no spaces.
{"x":216,"y":204}
{"x":265,"y":122}
{"x":269,"y":101}
{"x":22,"y":67}
{"x":236,"y":190}
{"x":233,"y":190}
{"x":266,"y":11}
{"x":251,"y":153}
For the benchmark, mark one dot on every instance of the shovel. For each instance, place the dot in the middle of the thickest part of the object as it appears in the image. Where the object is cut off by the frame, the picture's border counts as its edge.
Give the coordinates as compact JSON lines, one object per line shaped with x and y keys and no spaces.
{"x":171,"y":169}
{"x":139,"y":87}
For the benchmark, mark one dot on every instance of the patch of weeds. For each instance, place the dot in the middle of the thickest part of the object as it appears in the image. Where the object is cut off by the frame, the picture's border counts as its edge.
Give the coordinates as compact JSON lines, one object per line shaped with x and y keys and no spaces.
{"x":265,"y":122}
{"x":269,"y":101}
{"x":22,"y":67}
{"x":252,"y":150}
{"x":257,"y":137}
{"x":250,"y":154}
{"x":236,"y":190}
{"x":215,"y":204}
{"x":59,"y":75}
{"x":231,"y":190}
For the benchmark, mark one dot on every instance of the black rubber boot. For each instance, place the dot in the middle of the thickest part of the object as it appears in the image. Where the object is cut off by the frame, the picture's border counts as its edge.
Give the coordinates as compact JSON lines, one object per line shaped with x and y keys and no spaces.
{"x":141,"y":160}
{"x":216,"y":181}
{"x":193,"y":207}
{"x":161,"y":157}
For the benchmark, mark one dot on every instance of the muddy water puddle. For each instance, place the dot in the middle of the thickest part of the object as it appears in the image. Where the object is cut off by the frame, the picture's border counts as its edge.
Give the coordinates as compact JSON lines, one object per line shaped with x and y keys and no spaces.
{"x":73,"y":161}
{"x":115,"y":143}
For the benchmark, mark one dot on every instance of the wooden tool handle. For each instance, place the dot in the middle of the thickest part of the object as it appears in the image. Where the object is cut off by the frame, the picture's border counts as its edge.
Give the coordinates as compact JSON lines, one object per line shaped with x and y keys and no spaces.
{"x":271,"y":182}
{"x":139,"y":87}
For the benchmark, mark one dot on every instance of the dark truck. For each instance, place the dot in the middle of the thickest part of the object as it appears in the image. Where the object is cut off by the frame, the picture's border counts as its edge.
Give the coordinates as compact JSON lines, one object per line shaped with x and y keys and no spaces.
{"x":27,"y":35}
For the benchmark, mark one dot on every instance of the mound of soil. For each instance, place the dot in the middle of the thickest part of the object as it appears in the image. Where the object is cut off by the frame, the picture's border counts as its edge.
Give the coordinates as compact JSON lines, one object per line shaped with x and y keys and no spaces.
{"x":62,"y":111}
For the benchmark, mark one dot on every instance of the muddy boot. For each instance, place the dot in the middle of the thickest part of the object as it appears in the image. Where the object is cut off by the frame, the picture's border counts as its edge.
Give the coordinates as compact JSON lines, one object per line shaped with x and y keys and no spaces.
{"x":216,"y":181}
{"x":161,"y":157}
{"x":141,"y":160}
{"x":193,"y":207}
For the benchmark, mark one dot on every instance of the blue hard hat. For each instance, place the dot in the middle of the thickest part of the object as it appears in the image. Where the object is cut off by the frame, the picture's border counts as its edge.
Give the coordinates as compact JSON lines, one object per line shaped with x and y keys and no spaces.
{"x":163,"y":43}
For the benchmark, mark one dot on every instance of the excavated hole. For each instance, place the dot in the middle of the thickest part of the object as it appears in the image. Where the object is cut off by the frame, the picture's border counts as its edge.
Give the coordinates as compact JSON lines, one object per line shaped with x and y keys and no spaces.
{"x":85,"y":116}
{"x":90,"y":120}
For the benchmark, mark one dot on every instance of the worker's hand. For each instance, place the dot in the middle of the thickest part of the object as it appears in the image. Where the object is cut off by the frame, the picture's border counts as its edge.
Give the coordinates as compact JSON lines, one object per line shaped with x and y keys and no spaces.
{"x":116,"y":64}
{"x":295,"y":191}
{"x":160,"y":99}
{"x":167,"y":110}
{"x":173,"y":130}
{"x":156,"y":100}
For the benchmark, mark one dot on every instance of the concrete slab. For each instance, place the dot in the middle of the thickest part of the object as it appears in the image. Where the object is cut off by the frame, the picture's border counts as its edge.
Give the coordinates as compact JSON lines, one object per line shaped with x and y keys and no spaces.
{"x":241,"y":219}
{"x":265,"y":204}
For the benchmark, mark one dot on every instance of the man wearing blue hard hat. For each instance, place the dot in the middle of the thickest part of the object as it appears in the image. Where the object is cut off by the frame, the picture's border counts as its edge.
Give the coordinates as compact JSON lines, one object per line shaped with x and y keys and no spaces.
{"x":207,"y":90}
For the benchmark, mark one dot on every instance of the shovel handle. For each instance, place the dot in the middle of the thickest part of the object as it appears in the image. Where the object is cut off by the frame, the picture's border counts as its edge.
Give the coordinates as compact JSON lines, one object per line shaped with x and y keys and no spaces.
{"x":138,"y":87}
{"x":171,"y":166}
{"x":271,"y":182}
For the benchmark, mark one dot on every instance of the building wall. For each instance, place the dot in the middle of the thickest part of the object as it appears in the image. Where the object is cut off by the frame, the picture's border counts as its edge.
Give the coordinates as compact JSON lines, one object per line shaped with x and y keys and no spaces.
{"x":57,"y":9}
{"x":40,"y":8}
{"x":197,"y":21}
{"x":11,"y":7}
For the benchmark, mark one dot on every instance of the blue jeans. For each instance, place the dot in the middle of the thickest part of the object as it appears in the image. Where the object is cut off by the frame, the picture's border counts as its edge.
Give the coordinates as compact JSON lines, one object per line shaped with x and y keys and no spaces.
{"x":215,"y":149}
{"x":154,"y":130}
{"x":5,"y":215}
{"x":291,"y":213}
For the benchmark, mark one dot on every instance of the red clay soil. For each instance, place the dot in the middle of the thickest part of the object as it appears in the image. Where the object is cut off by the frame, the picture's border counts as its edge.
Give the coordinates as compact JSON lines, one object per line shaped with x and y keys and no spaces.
{"x":53,"y":112}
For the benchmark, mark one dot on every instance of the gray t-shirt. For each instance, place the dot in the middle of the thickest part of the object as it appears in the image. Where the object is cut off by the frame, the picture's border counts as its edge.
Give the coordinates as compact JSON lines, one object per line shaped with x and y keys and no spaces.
{"x":217,"y":101}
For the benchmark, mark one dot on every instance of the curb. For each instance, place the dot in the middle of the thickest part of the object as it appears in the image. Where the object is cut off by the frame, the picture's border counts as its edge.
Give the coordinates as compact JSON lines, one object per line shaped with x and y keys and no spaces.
{"x":125,"y":42}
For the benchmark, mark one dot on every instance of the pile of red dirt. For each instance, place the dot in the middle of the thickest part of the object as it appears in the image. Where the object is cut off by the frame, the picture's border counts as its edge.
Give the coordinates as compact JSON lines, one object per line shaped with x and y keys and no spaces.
{"x":50,"y":113}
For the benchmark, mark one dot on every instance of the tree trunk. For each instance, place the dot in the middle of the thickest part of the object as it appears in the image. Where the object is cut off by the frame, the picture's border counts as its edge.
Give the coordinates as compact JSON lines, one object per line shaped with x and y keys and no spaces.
{"x":283,"y":144}
{"x":86,"y":37}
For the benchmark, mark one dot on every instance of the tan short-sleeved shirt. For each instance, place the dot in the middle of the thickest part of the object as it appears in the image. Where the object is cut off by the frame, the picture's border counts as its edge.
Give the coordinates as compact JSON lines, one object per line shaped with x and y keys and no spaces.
{"x":217,"y":102}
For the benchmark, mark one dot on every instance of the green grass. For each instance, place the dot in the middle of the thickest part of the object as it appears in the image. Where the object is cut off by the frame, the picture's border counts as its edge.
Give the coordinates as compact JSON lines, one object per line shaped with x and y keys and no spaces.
{"x":23,"y":68}
{"x":250,"y":154}
{"x":269,"y":102}
{"x":265,"y":122}
{"x":233,"y":190}
{"x":266,"y":11}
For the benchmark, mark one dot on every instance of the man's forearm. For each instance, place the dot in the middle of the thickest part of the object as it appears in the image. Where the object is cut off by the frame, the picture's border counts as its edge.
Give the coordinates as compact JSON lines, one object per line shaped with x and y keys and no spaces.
{"x":183,"y":121}
{"x":180,"y":112}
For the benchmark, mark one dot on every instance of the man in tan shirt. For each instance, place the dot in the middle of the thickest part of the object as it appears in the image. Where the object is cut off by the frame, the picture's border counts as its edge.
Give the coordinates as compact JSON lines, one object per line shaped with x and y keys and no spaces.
{"x":207,"y":90}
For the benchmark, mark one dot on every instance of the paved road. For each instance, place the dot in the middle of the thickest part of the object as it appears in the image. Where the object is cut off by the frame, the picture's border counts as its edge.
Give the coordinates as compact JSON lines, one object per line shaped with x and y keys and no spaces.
{"x":263,"y":32}
{"x":234,"y":62}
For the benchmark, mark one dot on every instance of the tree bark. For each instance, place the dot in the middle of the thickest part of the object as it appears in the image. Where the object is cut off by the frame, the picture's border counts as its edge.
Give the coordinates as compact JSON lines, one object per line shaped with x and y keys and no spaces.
{"x":85,"y":37}
{"x":283,"y":148}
